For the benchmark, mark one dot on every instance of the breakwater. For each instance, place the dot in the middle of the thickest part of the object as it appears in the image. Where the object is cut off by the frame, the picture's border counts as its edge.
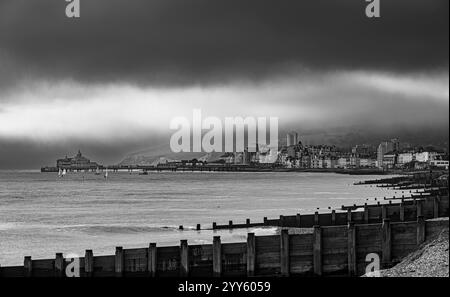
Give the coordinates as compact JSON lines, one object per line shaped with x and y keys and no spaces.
{"x":402,"y":209}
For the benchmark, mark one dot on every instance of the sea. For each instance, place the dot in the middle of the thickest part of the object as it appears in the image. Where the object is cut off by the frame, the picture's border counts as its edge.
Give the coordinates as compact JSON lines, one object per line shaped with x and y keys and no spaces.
{"x":42,"y":214}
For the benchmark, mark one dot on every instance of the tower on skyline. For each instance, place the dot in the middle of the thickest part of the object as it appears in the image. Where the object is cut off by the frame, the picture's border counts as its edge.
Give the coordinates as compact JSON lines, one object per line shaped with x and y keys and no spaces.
{"x":291,"y":138}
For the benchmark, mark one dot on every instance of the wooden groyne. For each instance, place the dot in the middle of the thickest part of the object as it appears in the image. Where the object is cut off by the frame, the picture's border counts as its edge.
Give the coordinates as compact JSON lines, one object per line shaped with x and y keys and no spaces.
{"x":411,"y":180}
{"x":332,"y":250}
{"x":408,"y":209}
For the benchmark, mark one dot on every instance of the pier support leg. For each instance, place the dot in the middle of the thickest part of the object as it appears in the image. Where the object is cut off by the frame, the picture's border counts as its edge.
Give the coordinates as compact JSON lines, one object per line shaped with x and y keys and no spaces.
{"x":333,"y":217}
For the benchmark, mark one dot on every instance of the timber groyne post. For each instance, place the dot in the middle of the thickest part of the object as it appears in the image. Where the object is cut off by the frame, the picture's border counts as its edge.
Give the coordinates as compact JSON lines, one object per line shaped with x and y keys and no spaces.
{"x":217,"y":256}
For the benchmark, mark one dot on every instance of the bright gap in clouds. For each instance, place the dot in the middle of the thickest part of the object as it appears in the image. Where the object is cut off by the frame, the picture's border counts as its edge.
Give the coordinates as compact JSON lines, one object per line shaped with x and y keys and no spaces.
{"x":57,"y":112}
{"x":419,"y":86}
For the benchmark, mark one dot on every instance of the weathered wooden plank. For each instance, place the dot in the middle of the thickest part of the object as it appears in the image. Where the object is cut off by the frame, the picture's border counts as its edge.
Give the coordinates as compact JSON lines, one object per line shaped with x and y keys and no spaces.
{"x":200,"y":253}
{"x":44,"y":264}
{"x":267,"y":255}
{"x":333,"y":243}
{"x":358,"y":217}
{"x":168,"y":261}
{"x":368,"y":241}
{"x":104,"y":263}
{"x":301,"y":245}
{"x":234,"y":257}
{"x":307,"y":221}
{"x":301,"y":254}
{"x":135,"y":260}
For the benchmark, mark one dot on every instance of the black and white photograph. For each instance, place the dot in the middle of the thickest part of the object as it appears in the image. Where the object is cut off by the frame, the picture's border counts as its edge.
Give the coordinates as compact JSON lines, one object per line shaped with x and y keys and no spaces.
{"x":224,"y":145}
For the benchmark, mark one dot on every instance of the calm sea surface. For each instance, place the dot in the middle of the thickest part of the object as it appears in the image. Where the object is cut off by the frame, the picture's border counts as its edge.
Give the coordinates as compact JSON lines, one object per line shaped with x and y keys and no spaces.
{"x":41,"y":214}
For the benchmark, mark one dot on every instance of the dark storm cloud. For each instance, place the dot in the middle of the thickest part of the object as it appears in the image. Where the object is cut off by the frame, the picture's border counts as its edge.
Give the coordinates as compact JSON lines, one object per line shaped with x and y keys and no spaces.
{"x":204,"y":41}
{"x":315,"y":63}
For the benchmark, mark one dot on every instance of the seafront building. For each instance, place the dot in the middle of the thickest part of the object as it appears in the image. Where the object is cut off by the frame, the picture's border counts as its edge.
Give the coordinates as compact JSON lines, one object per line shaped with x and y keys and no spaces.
{"x":389,"y":155}
{"x":326,"y":157}
{"x":384,"y":148}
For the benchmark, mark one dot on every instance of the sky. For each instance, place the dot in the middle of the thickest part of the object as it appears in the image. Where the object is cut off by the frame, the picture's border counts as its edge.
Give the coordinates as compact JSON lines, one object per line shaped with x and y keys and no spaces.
{"x":109,"y":82}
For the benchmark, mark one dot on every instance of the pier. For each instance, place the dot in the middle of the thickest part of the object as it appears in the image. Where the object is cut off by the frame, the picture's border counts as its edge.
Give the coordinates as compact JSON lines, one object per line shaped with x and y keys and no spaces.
{"x":207,"y":168}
